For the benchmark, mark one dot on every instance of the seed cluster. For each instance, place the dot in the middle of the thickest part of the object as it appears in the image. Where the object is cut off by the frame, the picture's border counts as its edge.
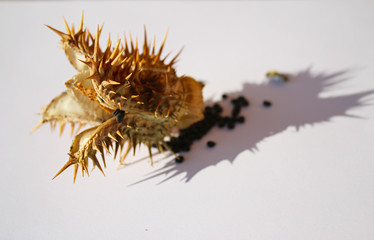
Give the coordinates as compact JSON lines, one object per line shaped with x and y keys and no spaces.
{"x":212,"y":117}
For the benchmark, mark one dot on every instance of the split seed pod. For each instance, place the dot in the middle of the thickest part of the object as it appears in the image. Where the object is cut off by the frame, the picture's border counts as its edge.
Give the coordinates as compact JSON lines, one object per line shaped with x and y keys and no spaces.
{"x":130,"y":97}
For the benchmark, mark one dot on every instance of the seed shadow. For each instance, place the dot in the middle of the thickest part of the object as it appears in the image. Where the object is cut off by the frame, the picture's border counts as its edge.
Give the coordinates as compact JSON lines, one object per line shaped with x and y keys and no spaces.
{"x":295,"y":104}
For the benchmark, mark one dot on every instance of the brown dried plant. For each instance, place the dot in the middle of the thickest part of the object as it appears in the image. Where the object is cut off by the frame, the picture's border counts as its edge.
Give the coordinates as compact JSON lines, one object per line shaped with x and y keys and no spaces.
{"x":130,"y":97}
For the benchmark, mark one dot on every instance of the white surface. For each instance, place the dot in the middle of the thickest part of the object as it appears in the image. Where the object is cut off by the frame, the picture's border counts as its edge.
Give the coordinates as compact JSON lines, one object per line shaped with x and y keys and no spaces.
{"x":303,"y":169}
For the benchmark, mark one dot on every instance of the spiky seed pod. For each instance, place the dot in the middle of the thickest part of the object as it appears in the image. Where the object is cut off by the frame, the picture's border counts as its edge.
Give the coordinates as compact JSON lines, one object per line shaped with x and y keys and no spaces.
{"x":131,"y":97}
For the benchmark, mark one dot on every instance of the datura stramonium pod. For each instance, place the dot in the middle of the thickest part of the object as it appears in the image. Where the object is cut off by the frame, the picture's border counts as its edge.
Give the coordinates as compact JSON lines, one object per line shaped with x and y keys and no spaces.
{"x":130,"y":97}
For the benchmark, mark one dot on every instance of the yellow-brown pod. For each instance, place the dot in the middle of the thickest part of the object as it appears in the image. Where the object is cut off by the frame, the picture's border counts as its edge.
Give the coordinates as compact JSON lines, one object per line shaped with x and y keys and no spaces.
{"x":131,"y":95}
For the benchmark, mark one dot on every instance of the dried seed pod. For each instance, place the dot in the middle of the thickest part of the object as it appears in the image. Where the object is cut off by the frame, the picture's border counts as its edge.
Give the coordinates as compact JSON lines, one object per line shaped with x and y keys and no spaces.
{"x":130,"y":95}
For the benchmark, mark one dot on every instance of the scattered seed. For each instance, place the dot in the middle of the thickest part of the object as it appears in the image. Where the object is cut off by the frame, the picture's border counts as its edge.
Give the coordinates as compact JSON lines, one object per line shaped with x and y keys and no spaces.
{"x":231,"y":125}
{"x":235,"y":102}
{"x":179,"y":159}
{"x":217,"y":108}
{"x":211,"y":144}
{"x":236,"y":111}
{"x":221,"y":123}
{"x":266,"y":103}
{"x":240,"y":119}
{"x":243,"y":101}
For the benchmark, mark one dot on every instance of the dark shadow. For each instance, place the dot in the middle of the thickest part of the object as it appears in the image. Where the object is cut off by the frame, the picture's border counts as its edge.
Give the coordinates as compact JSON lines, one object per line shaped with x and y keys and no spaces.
{"x":296,"y":103}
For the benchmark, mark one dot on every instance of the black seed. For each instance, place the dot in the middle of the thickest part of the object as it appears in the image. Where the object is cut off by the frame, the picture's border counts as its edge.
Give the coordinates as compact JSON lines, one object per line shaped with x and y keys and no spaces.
{"x":185,"y":148}
{"x":240,"y":119}
{"x":116,"y":112}
{"x":245,"y":103}
{"x":235,"y":102}
{"x":221,"y":125}
{"x":224,"y":96}
{"x":242,"y":101}
{"x":217,"y":108}
{"x":236,"y":111}
{"x":210,"y":144}
{"x":210,"y":124}
{"x":119,"y":115}
{"x":179,"y":159}
{"x":199,"y":136}
{"x":221,"y":122}
{"x":231,"y":125}
{"x":266,"y":103}
{"x":176,"y":149}
{"x":208,"y":110}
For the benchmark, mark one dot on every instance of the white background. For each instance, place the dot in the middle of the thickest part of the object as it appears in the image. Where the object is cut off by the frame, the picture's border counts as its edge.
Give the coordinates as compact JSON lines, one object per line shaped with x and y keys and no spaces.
{"x":302,"y":169}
